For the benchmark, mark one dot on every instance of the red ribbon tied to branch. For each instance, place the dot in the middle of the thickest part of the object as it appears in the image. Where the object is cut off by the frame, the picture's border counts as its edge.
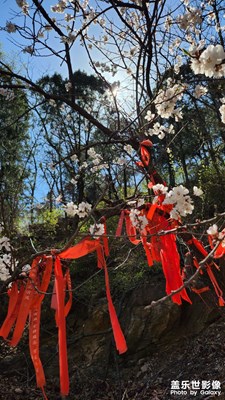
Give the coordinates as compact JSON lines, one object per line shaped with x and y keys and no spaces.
{"x":25,"y":301}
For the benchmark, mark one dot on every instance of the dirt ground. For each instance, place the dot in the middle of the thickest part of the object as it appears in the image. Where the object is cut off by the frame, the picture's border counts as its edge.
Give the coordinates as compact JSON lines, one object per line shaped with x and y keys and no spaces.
{"x":200,"y":358}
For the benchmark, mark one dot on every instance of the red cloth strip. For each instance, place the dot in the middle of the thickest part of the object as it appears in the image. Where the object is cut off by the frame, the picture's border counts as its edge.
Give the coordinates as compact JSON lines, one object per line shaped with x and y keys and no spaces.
{"x":199,"y":246}
{"x":146,"y":246}
{"x":145,"y":156}
{"x":60,"y":296}
{"x":151,"y":211}
{"x":15,"y":298}
{"x":120,"y":224}
{"x":216,"y":286}
{"x":171,"y":268}
{"x":131,"y":231}
{"x":82,"y":248}
{"x":68,"y":305}
{"x":25,"y":303}
{"x":43,"y":286}
{"x":34,"y":333}
{"x":201,"y":290}
{"x":117,"y":331}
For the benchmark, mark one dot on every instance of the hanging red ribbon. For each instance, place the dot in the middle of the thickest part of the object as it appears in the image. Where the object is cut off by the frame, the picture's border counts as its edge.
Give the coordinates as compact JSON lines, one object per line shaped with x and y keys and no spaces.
{"x":25,"y":303}
{"x":131,"y":231}
{"x":220,"y":251}
{"x":34,"y":320}
{"x":171,"y":268}
{"x":117,"y":331}
{"x":68,"y":285}
{"x":120,"y":224}
{"x":15,"y":299}
{"x":81,"y":249}
{"x":147,"y":247}
{"x":60,"y":296}
{"x":34,"y":332}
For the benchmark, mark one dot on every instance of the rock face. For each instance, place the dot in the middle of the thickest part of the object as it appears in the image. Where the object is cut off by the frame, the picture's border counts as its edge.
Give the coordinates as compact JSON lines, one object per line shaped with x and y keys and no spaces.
{"x":147,"y":326}
{"x":151,"y":330}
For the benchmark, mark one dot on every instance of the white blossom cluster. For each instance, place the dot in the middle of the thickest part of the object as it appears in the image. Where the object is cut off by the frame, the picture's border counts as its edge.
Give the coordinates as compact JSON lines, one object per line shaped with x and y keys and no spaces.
{"x":166,"y":100}
{"x":200,"y":91}
{"x":97,"y":161}
{"x":137,"y":219}
{"x":68,"y":86}
{"x":222,"y":110}
{"x":28,"y":49}
{"x":160,"y":130}
{"x":149,"y":116}
{"x":74,"y":157}
{"x":52,"y":103}
{"x":178,"y":197}
{"x":97,"y":230}
{"x":69,"y":17}
{"x":197,"y":191}
{"x":10,"y":27}
{"x":24,"y":6}
{"x":190,"y":19}
{"x":168,"y":23}
{"x":120,"y":161}
{"x":7,"y":93}
{"x":128,"y":148}
{"x":82,"y":209}
{"x":179,"y":62}
{"x":214,"y":232}
{"x":5,"y":260}
{"x":136,"y":203}
{"x":74,"y":180}
{"x":59,"y":198}
{"x":93,"y":164}
{"x":181,"y":200}
{"x":210,"y":62}
{"x":106,"y":67}
{"x":5,"y":256}
{"x":5,"y":243}
{"x":174,"y":46}
{"x":159,"y":189}
{"x":70,"y":38}
{"x":59,"y":7}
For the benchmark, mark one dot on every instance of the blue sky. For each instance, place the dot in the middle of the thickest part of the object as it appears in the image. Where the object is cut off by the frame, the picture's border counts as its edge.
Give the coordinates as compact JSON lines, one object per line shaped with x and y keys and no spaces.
{"x":40,"y":66}
{"x":37,"y":67}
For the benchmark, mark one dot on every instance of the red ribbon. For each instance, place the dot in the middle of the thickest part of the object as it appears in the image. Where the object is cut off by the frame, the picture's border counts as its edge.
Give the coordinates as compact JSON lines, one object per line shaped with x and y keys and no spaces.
{"x":34,"y":332}
{"x":120,"y":224}
{"x":171,"y":268}
{"x":131,"y":231}
{"x":117,"y":331}
{"x":15,"y":299}
{"x":60,"y":296}
{"x":25,"y":303}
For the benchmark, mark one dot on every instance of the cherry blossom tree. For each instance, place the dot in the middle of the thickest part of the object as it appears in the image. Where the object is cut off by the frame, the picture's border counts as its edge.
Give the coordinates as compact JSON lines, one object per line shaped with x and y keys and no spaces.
{"x":161,"y":64}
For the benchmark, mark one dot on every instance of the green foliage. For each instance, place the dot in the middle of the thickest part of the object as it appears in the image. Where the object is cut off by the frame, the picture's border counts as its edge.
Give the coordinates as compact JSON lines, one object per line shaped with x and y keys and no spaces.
{"x":13,"y":155}
{"x":213,"y":182}
{"x":50,"y":218}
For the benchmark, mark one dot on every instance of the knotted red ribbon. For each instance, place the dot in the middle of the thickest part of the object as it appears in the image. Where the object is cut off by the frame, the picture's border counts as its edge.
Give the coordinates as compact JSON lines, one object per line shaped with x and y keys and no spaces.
{"x":117,"y":331}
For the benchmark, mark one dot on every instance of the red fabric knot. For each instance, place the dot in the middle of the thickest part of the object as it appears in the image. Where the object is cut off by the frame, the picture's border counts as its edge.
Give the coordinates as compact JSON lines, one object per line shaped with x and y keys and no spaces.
{"x":147,"y":143}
